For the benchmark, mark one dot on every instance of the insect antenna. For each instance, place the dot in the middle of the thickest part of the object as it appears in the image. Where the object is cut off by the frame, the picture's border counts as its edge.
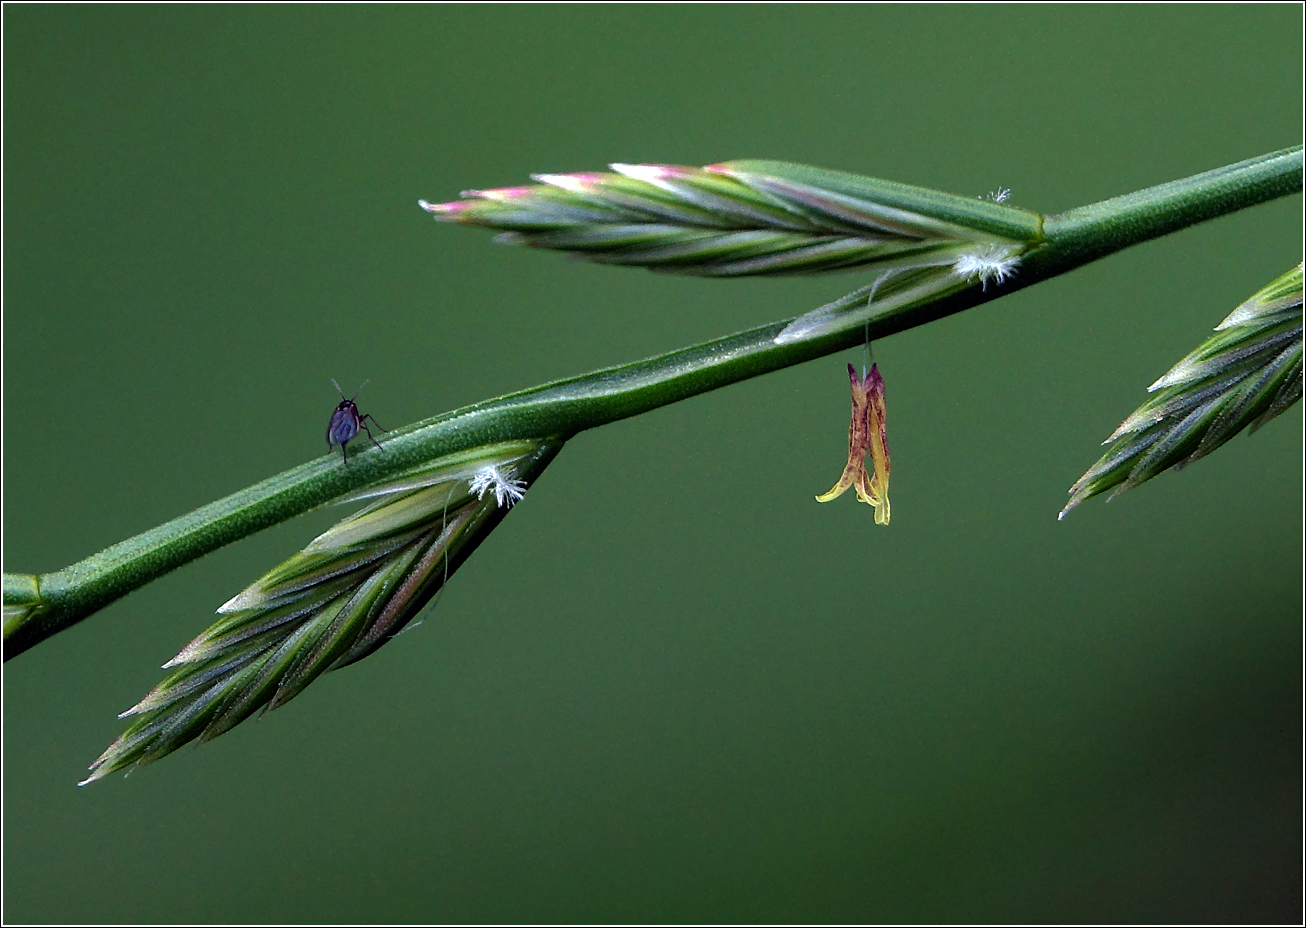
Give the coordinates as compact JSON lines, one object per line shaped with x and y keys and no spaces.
{"x":356,"y":392}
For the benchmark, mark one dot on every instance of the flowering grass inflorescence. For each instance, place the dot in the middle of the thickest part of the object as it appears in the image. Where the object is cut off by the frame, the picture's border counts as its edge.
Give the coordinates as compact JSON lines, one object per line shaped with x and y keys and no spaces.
{"x":358,"y":585}
{"x":349,"y":592}
{"x":1244,"y":375}
{"x":742,"y":218}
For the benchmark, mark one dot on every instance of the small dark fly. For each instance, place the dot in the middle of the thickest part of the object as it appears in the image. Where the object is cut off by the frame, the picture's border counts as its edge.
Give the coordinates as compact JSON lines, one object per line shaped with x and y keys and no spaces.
{"x":345,"y":422}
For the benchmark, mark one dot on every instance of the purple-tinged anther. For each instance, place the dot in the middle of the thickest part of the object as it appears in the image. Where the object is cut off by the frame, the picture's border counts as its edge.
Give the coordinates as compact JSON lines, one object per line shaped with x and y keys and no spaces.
{"x":866,"y":435}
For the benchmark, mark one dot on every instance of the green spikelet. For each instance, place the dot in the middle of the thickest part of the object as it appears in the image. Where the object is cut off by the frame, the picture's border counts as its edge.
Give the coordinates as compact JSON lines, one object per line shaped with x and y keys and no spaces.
{"x":743,"y":218}
{"x":1241,"y":377}
{"x":349,"y":592}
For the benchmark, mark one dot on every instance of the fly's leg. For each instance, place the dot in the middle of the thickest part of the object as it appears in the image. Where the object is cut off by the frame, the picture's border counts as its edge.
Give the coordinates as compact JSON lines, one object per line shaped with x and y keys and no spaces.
{"x":363,"y":423}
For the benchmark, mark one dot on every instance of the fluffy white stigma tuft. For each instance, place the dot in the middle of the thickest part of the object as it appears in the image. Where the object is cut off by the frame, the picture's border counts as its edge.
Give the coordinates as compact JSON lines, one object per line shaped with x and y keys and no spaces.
{"x":990,"y":262}
{"x":506,"y":489}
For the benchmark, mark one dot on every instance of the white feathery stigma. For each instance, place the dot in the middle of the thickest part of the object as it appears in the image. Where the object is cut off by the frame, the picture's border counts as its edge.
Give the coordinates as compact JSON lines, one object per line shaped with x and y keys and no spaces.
{"x":988,"y":262}
{"x":507,"y":490}
{"x":1000,"y":195}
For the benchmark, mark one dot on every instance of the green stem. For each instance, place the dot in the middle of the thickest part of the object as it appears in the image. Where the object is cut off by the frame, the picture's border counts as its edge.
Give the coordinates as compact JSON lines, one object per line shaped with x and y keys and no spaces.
{"x":1099,"y":229}
{"x":42,"y":606}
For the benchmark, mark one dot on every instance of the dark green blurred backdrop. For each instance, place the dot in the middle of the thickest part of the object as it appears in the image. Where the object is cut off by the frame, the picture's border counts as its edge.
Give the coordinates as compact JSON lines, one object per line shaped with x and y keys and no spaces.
{"x":671,"y":686}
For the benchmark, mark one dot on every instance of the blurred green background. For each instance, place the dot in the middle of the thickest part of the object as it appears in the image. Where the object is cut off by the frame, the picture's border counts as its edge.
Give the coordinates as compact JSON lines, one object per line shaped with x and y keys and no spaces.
{"x":671,"y":686}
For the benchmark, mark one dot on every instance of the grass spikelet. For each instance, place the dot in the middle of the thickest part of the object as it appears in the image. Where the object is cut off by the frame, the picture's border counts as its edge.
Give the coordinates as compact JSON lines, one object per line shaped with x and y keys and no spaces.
{"x":1241,"y":377}
{"x":742,"y":218}
{"x":347,"y":593}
